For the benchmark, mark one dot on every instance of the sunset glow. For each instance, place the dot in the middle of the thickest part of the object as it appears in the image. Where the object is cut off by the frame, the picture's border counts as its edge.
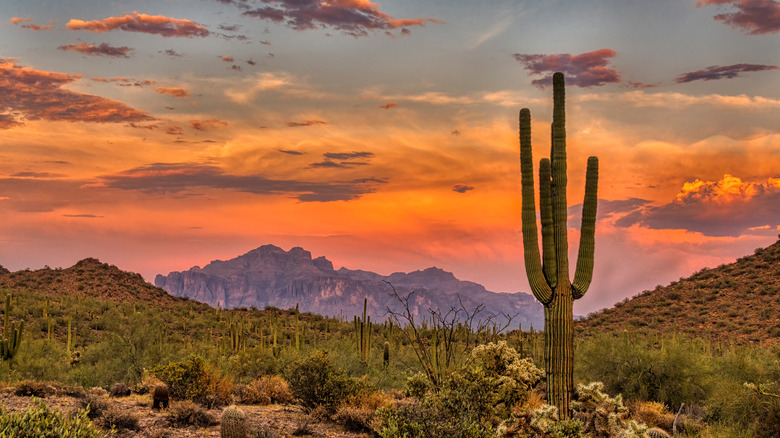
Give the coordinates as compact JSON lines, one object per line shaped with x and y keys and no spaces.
{"x":383,"y":135}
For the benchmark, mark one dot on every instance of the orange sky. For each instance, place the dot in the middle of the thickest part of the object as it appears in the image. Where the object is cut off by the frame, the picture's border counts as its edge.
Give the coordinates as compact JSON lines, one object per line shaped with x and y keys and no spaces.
{"x":157,"y":137}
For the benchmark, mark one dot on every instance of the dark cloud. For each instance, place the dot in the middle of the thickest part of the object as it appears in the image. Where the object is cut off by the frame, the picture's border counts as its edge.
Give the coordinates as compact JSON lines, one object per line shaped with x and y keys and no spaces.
{"x":127,"y":82}
{"x":235,"y":67}
{"x":135,"y":22}
{"x":584,"y":70}
{"x":250,"y":62}
{"x":722,"y":72}
{"x":177,"y":92}
{"x":184,"y":178}
{"x":86,"y":216}
{"x":231,"y":28}
{"x":172,"y":53}
{"x":207,"y":125}
{"x":290,"y":152}
{"x":104,"y":49}
{"x":338,"y":165}
{"x":265,"y":43}
{"x":8,"y":121}
{"x":461,"y":188}
{"x":30,"y":94}
{"x":45,"y":175}
{"x":174,"y":130}
{"x":729,"y":207}
{"x":348,"y":155}
{"x":353,"y":17}
{"x":388,"y":105}
{"x":305,"y":123}
{"x":755,"y":17}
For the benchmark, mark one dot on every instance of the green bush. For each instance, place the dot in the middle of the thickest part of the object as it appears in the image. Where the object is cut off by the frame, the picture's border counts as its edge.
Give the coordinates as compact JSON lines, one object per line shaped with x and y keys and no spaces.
{"x":316,"y":383}
{"x":192,"y":379}
{"x":42,"y":422}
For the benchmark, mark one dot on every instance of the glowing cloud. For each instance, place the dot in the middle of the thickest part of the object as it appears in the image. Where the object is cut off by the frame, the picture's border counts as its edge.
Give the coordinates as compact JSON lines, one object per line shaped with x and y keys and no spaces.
{"x":38,"y":95}
{"x":176,"y":92}
{"x":30,"y":25}
{"x":135,"y":22}
{"x":102,"y":50}
{"x":584,"y":70}
{"x":729,"y":207}
{"x":388,"y":105}
{"x":353,"y":17}
{"x":755,"y":17}
{"x":305,"y":123}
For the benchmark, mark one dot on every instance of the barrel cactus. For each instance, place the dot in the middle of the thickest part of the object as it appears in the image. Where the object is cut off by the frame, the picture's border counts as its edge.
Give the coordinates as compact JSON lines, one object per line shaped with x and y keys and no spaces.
{"x":657,"y":433}
{"x":548,"y":276}
{"x":233,"y":423}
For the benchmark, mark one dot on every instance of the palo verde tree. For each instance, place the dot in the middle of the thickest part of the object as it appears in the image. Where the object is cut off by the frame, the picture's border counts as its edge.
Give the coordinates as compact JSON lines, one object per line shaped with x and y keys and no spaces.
{"x":549,"y":276}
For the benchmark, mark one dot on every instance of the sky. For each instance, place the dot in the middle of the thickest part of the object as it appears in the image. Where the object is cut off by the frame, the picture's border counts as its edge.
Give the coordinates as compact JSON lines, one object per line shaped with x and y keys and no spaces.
{"x":157,"y":135}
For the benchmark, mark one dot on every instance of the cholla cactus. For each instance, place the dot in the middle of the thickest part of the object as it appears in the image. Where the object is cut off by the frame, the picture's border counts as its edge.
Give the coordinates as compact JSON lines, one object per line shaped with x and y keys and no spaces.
{"x":549,"y":276}
{"x":233,"y":423}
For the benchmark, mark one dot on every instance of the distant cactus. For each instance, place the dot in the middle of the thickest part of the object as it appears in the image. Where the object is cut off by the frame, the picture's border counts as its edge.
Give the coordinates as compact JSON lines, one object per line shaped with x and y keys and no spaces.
{"x":657,"y":433}
{"x":160,"y":397}
{"x":233,"y":423}
{"x":12,"y":335}
{"x":363,"y":330}
{"x":386,"y":355}
{"x":549,"y":277}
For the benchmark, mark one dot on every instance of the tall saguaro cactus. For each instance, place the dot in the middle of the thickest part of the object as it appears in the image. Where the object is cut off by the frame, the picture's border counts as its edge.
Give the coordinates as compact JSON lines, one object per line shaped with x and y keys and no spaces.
{"x":549,"y":276}
{"x":12,"y":336}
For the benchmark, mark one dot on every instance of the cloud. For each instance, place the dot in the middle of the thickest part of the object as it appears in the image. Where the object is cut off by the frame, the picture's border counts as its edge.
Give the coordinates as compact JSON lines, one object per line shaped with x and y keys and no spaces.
{"x":174,"y":130}
{"x":172,"y":53}
{"x":177,"y":92}
{"x":353,"y":17}
{"x":345,"y":160}
{"x":127,"y":82}
{"x":8,"y":121}
{"x":45,"y":175}
{"x":348,"y":155}
{"x":206,"y":125}
{"x":461,"y":188}
{"x":38,"y":95}
{"x":729,"y":207}
{"x":290,"y":152}
{"x":86,"y":216}
{"x":135,"y":22}
{"x":226,"y":58}
{"x":305,"y":123}
{"x":755,"y":17}
{"x":103,"y":49}
{"x":722,"y":72}
{"x":388,"y":105}
{"x":30,"y":25}
{"x":187,"y":178}
{"x":584,"y":70}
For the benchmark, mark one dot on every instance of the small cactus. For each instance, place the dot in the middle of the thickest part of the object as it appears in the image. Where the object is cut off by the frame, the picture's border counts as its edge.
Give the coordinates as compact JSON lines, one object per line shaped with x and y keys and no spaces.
{"x":657,"y":433}
{"x":233,"y":423}
{"x":160,"y":397}
{"x":386,"y":355}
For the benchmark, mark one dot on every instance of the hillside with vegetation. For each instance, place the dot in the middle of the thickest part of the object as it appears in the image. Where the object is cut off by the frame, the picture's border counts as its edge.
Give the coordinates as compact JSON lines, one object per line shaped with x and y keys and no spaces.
{"x":733,"y":303}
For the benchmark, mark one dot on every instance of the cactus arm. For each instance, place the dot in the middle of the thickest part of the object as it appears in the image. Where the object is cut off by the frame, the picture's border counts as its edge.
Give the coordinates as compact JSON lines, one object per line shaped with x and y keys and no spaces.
{"x":584,"y":272}
{"x":559,"y":179}
{"x":533,"y":264}
{"x":545,"y":209}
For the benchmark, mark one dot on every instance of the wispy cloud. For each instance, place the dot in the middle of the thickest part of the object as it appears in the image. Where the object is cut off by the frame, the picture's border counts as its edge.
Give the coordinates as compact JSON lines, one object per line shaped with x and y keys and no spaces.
{"x":135,"y":22}
{"x":305,"y":123}
{"x":191,"y":178}
{"x":127,"y":82}
{"x":104,"y":49}
{"x":495,"y":30}
{"x":207,"y":125}
{"x":344,"y":160}
{"x":388,"y":105}
{"x":461,"y":188}
{"x":722,"y":72}
{"x":177,"y":92}
{"x":755,"y":17}
{"x":32,"y":94}
{"x":353,"y":17}
{"x":27,"y":24}
{"x":584,"y":70}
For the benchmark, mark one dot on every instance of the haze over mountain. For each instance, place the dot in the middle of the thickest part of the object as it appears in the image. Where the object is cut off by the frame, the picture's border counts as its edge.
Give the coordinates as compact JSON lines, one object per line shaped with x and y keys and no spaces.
{"x":270,"y":276}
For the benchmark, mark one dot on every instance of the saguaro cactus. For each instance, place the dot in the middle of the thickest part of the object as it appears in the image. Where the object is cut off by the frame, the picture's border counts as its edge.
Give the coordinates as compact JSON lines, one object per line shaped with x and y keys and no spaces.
{"x":12,"y":336}
{"x":549,"y":276}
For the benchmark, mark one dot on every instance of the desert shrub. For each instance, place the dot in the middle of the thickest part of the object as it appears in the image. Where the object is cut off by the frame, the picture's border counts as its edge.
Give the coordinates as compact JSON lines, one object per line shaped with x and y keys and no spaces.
{"x":193,"y":380}
{"x":42,"y":422}
{"x":34,"y":388}
{"x":187,"y":413}
{"x":115,"y":418}
{"x":315,"y":382}
{"x":653,"y":414}
{"x":95,"y":405}
{"x":473,"y":401}
{"x":358,"y":413}
{"x":119,"y":390}
{"x":265,"y":390}
{"x":42,"y":360}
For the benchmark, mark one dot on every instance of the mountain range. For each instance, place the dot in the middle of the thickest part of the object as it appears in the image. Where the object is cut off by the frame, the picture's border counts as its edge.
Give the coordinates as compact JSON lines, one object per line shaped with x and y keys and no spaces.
{"x":271,"y":276}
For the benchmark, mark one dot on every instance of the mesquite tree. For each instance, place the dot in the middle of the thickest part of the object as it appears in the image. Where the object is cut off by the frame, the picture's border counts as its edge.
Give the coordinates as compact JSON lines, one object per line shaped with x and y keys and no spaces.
{"x":549,"y":276}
